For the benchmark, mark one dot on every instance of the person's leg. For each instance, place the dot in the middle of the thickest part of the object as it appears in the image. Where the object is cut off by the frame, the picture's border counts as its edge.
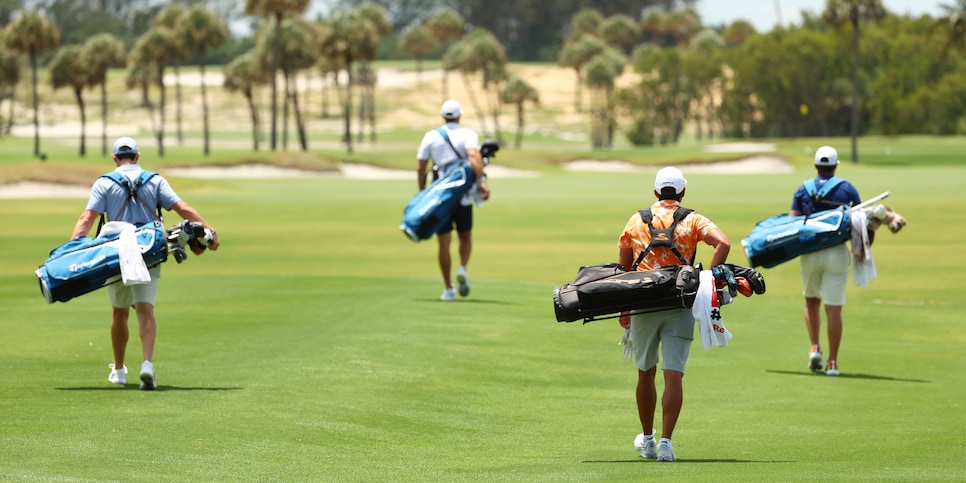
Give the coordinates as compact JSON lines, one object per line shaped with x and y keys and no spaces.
{"x":672,"y":400}
{"x":466,"y":247}
{"x":813,"y":319}
{"x":445,"y":263}
{"x":834,"y":315}
{"x":147,"y":328}
{"x":646,"y":398}
{"x":119,"y":335}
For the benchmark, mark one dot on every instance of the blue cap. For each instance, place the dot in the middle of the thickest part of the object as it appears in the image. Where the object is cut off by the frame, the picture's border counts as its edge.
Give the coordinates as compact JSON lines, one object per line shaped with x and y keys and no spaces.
{"x":125,"y":145}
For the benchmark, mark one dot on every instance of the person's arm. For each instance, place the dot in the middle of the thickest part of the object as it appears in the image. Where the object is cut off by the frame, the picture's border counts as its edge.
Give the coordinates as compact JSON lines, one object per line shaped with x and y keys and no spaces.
{"x":187,"y":212}
{"x":84,"y":223}
{"x":421,"y":173}
{"x":716,"y":238}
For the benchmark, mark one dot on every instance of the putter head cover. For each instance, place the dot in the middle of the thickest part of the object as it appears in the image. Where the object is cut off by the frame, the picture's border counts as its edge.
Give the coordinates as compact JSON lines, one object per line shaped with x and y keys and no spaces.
{"x":752,"y":279}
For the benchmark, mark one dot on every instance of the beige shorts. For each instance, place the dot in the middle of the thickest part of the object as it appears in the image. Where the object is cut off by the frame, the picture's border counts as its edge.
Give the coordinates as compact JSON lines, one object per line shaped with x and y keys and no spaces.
{"x":123,"y":296}
{"x":825,"y":274}
{"x":668,"y":333}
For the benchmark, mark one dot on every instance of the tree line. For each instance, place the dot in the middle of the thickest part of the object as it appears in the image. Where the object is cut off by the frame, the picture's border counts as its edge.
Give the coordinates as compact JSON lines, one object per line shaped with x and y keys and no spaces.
{"x":854,"y":69}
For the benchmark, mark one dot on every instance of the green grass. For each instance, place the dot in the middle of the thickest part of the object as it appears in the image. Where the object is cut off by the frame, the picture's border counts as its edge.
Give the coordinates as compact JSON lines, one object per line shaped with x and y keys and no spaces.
{"x":311,"y":347}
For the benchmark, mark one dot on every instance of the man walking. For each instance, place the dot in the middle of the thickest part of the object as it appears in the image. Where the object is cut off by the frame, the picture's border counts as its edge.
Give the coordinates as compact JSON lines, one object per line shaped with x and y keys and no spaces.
{"x":668,"y":333}
{"x":825,"y":272}
{"x":110,"y":198}
{"x":446,"y":146}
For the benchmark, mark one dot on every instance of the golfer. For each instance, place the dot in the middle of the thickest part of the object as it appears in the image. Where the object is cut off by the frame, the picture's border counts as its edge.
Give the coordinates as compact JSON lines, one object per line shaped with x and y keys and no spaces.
{"x":667,"y":333}
{"x":825,"y":272}
{"x":110,"y":198}
{"x":462,"y":143}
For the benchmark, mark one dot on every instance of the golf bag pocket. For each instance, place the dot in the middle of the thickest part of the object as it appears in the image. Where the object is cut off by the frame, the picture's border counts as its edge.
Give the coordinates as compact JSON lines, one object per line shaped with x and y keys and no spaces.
{"x":432,"y":207}
{"x":780,"y":238}
{"x":663,"y":288}
{"x":86,"y":264}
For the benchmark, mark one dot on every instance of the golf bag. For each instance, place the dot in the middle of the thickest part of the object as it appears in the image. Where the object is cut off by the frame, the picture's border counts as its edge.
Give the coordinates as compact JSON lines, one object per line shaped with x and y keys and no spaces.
{"x":607,"y":289}
{"x":432,"y":207}
{"x":86,"y":264}
{"x":780,"y":238}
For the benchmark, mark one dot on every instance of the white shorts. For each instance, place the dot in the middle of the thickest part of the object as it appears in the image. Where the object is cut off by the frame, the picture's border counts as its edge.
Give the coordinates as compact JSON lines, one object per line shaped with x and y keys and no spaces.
{"x":825,"y":274}
{"x":123,"y":296}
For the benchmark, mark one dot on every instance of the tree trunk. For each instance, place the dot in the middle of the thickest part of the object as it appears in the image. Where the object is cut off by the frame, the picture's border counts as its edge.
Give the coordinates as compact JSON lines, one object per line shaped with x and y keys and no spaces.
{"x":79,"y":95}
{"x":372,"y":113}
{"x":161,"y":111}
{"x":204,"y":101}
{"x":298,"y":119}
{"x":276,"y":52}
{"x":177,"y":100}
{"x":347,"y":111}
{"x":33,"y":78}
{"x":519,"y":139}
{"x":254,"y":111}
{"x":285,"y":102}
{"x":104,"y":117}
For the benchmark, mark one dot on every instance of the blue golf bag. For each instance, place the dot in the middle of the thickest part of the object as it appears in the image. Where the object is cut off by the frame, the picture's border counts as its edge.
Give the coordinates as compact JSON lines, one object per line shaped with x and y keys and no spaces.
{"x":432,"y":207}
{"x":780,"y":238}
{"x":86,"y":264}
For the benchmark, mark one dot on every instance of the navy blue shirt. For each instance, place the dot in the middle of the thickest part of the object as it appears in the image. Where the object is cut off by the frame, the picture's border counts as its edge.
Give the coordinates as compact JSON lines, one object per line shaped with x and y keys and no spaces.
{"x":843,"y":194}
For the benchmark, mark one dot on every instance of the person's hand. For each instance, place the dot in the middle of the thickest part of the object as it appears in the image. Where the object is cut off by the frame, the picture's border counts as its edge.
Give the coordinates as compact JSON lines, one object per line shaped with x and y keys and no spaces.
{"x":484,"y":191}
{"x":722,"y":273}
{"x":625,"y":320}
{"x":213,"y":244}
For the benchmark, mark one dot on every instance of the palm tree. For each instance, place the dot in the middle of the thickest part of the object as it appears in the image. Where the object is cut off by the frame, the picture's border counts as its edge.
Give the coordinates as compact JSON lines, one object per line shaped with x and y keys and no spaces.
{"x":853,"y":12}
{"x":954,"y":22}
{"x":67,"y":69}
{"x":620,"y":31}
{"x":417,"y":42}
{"x":342,"y":37}
{"x":242,"y":75}
{"x":9,"y":78}
{"x":518,"y":92}
{"x":198,"y":29}
{"x":101,"y":52}
{"x":170,"y":17}
{"x":575,"y":54}
{"x":276,"y":9}
{"x":373,"y":20}
{"x":158,"y":47}
{"x":446,"y":24}
{"x":32,"y":34}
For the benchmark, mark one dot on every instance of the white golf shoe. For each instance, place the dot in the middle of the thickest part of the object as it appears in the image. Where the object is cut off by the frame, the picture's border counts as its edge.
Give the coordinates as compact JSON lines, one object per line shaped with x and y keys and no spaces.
{"x":462,"y":279}
{"x":448,"y":295}
{"x":647,"y":446}
{"x":148,"y":382}
{"x":117,"y":376}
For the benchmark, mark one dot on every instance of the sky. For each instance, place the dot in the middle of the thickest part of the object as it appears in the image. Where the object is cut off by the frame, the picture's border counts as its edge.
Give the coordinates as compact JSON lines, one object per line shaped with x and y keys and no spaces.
{"x":765,"y":14}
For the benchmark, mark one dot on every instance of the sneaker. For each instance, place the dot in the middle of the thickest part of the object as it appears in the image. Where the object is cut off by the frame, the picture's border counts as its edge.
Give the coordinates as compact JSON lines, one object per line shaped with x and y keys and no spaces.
{"x":815,"y":359}
{"x":148,"y":383}
{"x":448,"y":294}
{"x":463,"y":281}
{"x":665,"y":452}
{"x":647,"y":446}
{"x":832,"y":369}
{"x":117,"y":376}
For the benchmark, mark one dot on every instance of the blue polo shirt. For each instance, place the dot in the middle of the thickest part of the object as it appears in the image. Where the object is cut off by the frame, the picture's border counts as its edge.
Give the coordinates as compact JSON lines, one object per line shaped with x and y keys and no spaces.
{"x":843,"y":194}
{"x":109,"y":197}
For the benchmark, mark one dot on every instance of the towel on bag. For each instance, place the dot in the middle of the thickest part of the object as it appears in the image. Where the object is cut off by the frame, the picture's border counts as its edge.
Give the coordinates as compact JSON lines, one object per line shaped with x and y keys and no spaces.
{"x":863,"y":266}
{"x":707,"y":312}
{"x":133,"y":269}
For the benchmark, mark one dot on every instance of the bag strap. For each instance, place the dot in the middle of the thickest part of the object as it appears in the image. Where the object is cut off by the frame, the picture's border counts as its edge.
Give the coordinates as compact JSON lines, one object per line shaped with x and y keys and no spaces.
{"x":818,"y":194}
{"x":663,"y":237}
{"x":443,"y":132}
{"x":132,"y":189}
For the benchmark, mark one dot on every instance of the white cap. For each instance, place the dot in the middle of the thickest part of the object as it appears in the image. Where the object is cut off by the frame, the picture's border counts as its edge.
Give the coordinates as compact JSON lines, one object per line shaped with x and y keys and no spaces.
{"x":670,"y":177}
{"x":451,"y":110}
{"x":826,"y":156}
{"x":125,"y":145}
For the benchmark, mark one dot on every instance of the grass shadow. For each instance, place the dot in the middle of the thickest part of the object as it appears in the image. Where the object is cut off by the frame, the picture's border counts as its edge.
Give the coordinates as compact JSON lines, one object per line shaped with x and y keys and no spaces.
{"x":114,"y":387}
{"x":848,"y":376}
{"x":680,"y":460}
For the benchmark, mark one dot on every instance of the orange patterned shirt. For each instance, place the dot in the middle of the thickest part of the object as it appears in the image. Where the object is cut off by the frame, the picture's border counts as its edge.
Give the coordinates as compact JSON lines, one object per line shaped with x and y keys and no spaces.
{"x":688,"y":233}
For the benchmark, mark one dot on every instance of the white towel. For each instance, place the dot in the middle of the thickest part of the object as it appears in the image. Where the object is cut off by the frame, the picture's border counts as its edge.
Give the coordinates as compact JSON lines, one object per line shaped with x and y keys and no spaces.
{"x":133,"y":269}
{"x":863,"y":266}
{"x":707,"y":312}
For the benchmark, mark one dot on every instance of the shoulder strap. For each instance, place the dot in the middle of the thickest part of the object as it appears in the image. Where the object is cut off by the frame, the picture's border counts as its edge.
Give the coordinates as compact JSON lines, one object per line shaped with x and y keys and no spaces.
{"x":132,"y":188}
{"x":662,"y":237}
{"x":443,"y":132}
{"x":815,"y":194}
